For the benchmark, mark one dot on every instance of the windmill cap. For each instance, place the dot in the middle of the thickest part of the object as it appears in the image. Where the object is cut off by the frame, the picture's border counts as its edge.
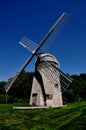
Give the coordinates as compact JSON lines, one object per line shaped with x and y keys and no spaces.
{"x":48,"y":57}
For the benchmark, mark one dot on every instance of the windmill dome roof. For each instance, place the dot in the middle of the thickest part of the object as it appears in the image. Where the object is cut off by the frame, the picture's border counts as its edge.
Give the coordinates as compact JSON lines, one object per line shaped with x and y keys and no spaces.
{"x":49,"y":57}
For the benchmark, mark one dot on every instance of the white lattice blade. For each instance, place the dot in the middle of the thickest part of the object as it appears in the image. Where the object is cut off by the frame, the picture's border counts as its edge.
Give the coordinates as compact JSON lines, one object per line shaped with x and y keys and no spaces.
{"x":23,"y":44}
{"x":10,"y":83}
{"x":50,"y":37}
{"x":55,"y":78}
{"x":64,"y":82}
{"x":61,"y":77}
{"x":28,"y":44}
{"x":58,"y":28}
{"x":50,"y":73}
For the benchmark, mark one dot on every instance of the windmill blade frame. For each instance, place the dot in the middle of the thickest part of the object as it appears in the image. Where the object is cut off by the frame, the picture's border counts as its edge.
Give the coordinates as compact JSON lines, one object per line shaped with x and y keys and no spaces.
{"x":54,"y":31}
{"x":8,"y":85}
{"x":62,"y":75}
{"x":28,"y":44}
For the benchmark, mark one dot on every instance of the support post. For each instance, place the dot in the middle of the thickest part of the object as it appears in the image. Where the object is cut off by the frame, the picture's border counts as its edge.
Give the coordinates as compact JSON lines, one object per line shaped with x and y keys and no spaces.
{"x":6,"y":98}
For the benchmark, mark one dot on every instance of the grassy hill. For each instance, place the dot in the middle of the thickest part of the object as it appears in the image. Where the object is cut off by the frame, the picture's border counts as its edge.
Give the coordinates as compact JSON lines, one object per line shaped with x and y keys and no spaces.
{"x":70,"y":117}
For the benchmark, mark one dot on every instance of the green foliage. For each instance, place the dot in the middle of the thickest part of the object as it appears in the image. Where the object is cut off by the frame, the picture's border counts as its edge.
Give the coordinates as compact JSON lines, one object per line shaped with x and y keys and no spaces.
{"x":22,"y":86}
{"x":70,"y":117}
{"x":77,"y":90}
{"x":2,"y":90}
{"x":2,"y":98}
{"x":21,"y":89}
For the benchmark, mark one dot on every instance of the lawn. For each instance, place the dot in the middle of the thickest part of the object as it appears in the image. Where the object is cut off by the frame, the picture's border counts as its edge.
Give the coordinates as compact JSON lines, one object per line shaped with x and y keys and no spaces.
{"x":70,"y":117}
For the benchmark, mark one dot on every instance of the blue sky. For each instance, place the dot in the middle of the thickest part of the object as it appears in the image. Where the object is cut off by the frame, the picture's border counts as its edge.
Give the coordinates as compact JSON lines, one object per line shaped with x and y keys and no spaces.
{"x":33,"y":19}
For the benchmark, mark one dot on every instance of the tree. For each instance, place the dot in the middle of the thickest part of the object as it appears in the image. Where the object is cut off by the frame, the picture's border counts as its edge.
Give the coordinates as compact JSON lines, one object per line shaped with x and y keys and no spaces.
{"x":2,"y":90}
{"x":22,"y":87}
{"x":77,"y":90}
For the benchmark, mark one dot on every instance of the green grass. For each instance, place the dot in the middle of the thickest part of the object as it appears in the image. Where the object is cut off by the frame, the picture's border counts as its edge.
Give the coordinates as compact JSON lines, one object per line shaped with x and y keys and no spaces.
{"x":70,"y":117}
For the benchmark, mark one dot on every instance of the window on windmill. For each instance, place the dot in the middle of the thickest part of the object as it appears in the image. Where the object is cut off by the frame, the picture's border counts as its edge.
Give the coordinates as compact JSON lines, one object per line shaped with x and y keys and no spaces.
{"x":34,"y":94}
{"x":56,"y":85}
{"x":49,"y":96}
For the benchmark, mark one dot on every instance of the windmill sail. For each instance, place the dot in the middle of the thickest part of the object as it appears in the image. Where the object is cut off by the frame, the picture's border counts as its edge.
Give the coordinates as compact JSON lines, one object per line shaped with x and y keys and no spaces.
{"x":11,"y":82}
{"x":28,"y":44}
{"x":54,"y":77}
{"x":59,"y":27}
{"x":51,"y":36}
{"x":65,"y":80}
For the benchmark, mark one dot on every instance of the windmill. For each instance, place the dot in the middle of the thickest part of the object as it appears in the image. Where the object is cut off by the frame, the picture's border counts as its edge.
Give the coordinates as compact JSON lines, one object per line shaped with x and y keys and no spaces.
{"x":49,"y":81}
